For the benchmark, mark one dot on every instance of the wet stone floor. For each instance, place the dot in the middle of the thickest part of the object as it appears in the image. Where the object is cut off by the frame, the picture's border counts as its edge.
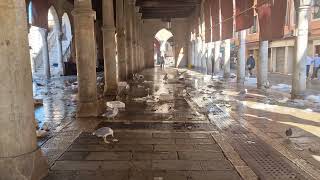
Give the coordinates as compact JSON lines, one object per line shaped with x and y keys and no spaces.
{"x":191,"y":127}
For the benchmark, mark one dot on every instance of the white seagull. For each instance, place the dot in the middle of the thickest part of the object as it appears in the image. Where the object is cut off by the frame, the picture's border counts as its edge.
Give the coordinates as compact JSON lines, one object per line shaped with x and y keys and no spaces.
{"x":111,"y":113}
{"x":103,"y":132}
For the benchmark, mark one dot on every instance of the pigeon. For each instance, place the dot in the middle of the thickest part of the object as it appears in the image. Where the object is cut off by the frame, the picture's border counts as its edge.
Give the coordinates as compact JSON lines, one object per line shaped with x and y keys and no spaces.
{"x":141,"y":77}
{"x":165,"y":78}
{"x":289,"y":132}
{"x":103,"y":132}
{"x":111,"y":113}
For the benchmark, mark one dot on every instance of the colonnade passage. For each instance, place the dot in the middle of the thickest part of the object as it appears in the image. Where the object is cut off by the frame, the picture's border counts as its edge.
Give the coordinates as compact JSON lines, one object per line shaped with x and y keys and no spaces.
{"x":157,"y":90}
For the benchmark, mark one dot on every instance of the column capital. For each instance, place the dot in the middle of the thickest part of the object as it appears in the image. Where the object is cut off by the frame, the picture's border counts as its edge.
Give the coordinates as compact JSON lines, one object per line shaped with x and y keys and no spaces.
{"x":137,"y":8}
{"x":83,"y":12}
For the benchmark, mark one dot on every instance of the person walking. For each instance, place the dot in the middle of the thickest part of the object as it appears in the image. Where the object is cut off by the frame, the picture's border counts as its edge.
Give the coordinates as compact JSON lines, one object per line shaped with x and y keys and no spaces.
{"x":251,"y":63}
{"x":316,"y":67}
{"x":308,"y":65}
{"x":162,"y":62}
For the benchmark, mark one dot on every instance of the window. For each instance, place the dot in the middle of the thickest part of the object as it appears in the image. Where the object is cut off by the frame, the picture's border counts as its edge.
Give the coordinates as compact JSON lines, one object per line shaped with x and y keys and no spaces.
{"x":254,"y":28}
{"x":316,"y":9}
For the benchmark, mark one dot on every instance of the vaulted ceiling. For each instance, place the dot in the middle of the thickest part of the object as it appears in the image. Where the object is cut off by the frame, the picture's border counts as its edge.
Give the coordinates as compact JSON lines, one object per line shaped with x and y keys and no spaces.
{"x":166,"y":9}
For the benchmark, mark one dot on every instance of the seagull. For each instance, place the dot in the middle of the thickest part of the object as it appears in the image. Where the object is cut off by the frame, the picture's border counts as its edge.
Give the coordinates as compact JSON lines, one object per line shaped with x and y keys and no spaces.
{"x":103,"y":132}
{"x":266,"y":85}
{"x":289,"y":132}
{"x":243,"y":92}
{"x":111,"y":113}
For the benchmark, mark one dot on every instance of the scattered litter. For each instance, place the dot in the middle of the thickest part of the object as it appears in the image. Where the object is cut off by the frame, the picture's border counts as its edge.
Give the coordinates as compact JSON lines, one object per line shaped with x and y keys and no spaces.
{"x":158,"y":178}
{"x":169,"y":118}
{"x":251,"y":142}
{"x":41,"y":133}
{"x":142,"y":99}
{"x":38,"y":102}
{"x":39,"y":84}
{"x":103,"y":132}
{"x":189,"y":127}
{"x":115,"y":140}
{"x":282,"y":87}
{"x":232,"y":75}
{"x":313,"y":98}
{"x":116,"y":104}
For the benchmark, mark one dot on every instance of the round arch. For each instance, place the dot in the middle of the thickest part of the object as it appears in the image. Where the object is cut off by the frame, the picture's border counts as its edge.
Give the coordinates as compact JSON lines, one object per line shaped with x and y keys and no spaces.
{"x":53,"y":20}
{"x":66,"y":27}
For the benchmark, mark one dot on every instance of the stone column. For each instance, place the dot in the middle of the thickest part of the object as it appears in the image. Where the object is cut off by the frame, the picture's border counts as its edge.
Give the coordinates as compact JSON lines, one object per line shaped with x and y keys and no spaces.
{"x":216,"y":57}
{"x":121,"y":42}
{"x":60,"y":55}
{"x":128,"y":6}
{"x":109,"y":53}
{"x":139,"y":42}
{"x":226,"y":66}
{"x":20,"y":156}
{"x":134,"y":40}
{"x":45,"y":52}
{"x":85,"y":46}
{"x":299,"y":68}
{"x":241,"y":61}
{"x":262,"y":67}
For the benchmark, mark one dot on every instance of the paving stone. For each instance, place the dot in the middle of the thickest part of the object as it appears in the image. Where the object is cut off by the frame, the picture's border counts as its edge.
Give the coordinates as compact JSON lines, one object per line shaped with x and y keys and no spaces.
{"x":171,"y":135}
{"x":210,"y":175}
{"x":208,"y":147}
{"x":176,"y":165}
{"x":100,"y":156}
{"x":155,"y":156}
{"x":216,"y":165}
{"x":184,"y":155}
{"x":200,"y":135}
{"x":101,"y":165}
{"x":74,"y":156}
{"x":194,"y":141}
{"x":115,"y":147}
{"x":176,"y":147}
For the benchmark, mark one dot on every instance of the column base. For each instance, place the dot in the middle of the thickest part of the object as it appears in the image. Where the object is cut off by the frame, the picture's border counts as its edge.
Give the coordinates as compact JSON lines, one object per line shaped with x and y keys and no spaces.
{"x":87,"y":109}
{"x":110,"y":92}
{"x":33,"y":166}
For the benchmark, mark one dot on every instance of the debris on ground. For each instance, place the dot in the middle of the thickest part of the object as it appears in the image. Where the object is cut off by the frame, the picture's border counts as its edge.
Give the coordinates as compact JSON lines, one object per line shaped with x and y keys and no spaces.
{"x":39,"y":84}
{"x":37,"y":102}
{"x":116,"y":104}
{"x":41,"y":133}
{"x":104,"y":132}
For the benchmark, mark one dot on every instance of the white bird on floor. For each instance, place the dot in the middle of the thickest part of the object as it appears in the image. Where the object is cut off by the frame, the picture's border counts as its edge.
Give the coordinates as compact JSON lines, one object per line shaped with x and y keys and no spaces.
{"x":243,"y":92}
{"x":103,"y":132}
{"x":111,"y":113}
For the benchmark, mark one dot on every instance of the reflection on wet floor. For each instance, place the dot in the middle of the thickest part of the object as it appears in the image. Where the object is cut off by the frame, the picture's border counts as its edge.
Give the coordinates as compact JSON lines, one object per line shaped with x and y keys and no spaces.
{"x":181,"y":105}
